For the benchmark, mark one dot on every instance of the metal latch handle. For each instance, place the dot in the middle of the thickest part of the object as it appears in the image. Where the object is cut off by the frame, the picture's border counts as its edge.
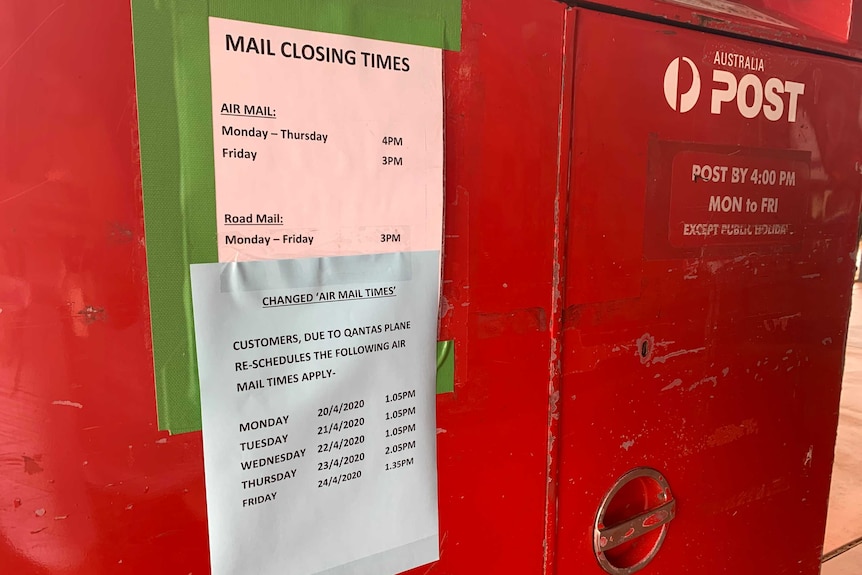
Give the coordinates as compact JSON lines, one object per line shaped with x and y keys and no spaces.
{"x":644,"y":487}
{"x":615,"y":536}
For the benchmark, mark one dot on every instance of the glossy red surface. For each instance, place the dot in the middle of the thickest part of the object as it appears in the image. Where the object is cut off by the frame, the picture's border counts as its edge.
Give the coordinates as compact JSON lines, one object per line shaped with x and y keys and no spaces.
{"x":831,"y":18}
{"x":87,"y":484}
{"x":820,"y":25}
{"x":503,"y":102}
{"x":736,"y":397}
{"x":547,"y":293}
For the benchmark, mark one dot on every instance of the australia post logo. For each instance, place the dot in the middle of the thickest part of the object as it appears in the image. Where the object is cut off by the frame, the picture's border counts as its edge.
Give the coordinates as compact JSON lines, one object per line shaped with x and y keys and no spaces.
{"x":744,"y":91}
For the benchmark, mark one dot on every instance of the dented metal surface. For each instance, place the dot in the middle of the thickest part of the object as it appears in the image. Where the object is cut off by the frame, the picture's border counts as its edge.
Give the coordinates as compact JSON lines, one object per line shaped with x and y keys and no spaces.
{"x":586,"y":347}
{"x":87,"y":483}
{"x":716,"y":360}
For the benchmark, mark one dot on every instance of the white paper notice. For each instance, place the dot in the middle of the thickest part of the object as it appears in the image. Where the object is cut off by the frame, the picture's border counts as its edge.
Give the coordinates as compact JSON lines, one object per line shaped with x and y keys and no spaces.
{"x":318,"y":413}
{"x":324,"y":144}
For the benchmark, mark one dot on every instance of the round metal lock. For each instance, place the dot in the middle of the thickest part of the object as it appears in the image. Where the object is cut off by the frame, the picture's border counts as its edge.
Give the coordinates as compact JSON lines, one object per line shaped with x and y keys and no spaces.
{"x":632,"y":521}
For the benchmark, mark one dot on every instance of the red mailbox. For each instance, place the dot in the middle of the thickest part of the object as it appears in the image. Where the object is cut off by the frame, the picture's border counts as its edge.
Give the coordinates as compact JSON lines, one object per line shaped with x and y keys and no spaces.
{"x":712,"y":229}
{"x":650,"y":236}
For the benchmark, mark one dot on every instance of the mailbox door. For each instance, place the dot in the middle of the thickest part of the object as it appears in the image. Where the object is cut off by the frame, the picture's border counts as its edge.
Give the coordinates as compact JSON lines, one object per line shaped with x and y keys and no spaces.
{"x":705,"y":310}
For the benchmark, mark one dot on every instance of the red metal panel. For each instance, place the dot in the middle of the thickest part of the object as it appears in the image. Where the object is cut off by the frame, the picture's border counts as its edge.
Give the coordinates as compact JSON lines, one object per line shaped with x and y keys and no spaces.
{"x":503,"y":106}
{"x":822,"y":25}
{"x":88,"y":485}
{"x":832,"y":18}
{"x":717,"y":363}
{"x":735,"y":400}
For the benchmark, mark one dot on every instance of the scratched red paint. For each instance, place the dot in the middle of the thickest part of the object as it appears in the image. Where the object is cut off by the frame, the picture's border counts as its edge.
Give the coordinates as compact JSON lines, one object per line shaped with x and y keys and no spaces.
{"x":824,"y":28}
{"x":549,"y":286}
{"x":743,"y":342}
{"x":76,"y":381}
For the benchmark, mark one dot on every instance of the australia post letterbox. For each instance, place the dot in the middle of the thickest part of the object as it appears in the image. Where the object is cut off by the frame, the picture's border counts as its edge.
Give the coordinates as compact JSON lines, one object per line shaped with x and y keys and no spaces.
{"x":649,"y":238}
{"x":90,"y":484}
{"x":712,"y":220}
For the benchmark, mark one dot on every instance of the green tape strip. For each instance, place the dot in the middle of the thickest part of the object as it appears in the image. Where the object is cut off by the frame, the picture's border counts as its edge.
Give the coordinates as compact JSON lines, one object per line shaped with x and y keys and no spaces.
{"x":175,"y":123}
{"x":174,"y":113}
{"x":435,"y":23}
{"x":445,"y":366}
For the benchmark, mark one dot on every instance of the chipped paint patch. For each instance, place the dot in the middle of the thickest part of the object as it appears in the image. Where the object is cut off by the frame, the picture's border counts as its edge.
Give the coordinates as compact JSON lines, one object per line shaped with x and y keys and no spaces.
{"x":92,"y":314}
{"x":555,"y":409}
{"x":691,"y":269}
{"x":730,"y":433}
{"x":711,"y":379}
{"x":445,"y":306}
{"x":780,"y":322}
{"x":67,"y":403}
{"x":715,"y":266}
{"x":645,"y":346}
{"x":671,"y":385}
{"x":627,"y":444}
{"x":677,"y":353}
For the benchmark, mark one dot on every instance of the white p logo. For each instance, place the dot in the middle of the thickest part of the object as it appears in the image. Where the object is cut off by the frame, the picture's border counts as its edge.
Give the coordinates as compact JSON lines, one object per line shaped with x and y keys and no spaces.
{"x":676,"y":101}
